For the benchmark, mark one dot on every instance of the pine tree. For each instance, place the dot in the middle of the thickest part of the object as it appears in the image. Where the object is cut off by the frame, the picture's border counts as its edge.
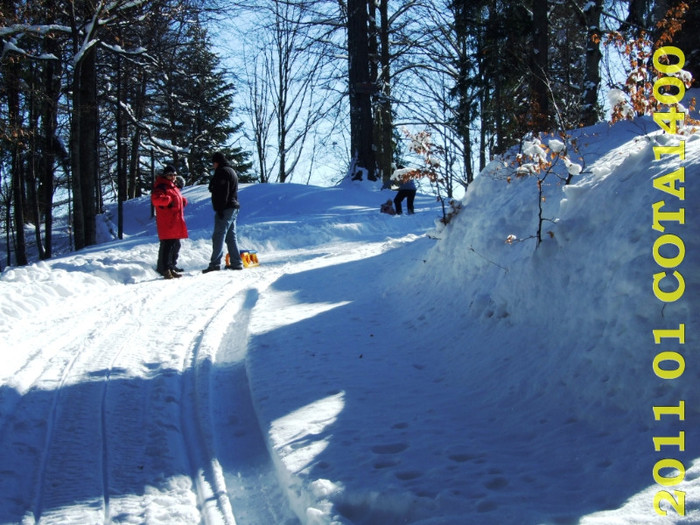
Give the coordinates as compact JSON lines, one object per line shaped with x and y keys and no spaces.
{"x":506,"y":48}
{"x":205,"y":100}
{"x":191,"y":103}
{"x":104,"y":62}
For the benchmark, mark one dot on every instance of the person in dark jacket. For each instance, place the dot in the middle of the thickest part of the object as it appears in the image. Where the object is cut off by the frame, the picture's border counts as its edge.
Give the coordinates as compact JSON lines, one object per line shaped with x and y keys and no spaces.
{"x":170,"y":220}
{"x":407,"y":190}
{"x":224,"y":199}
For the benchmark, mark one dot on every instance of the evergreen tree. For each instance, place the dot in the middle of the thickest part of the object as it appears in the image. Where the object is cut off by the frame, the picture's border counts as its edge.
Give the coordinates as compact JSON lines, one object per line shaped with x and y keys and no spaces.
{"x":104,"y":61}
{"x":506,"y":48}
{"x":203,"y":107}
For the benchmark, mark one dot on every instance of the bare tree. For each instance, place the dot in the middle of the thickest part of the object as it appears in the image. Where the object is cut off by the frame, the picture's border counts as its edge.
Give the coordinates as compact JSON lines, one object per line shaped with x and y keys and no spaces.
{"x":259,"y":110}
{"x":287,"y":66}
{"x":437,"y":85}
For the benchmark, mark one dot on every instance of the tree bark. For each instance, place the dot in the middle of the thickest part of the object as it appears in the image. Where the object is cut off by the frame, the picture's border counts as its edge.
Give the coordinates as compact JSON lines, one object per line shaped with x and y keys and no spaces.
{"x":17,"y":174}
{"x":464,"y":113}
{"x":540,"y":66}
{"x":52,"y":83}
{"x":591,"y":82}
{"x":84,"y":137}
{"x":139,"y":104}
{"x":637,"y":16}
{"x":121,"y":151}
{"x":11,"y":71}
{"x":360,"y":89}
{"x":386,"y":126}
{"x":34,"y":100}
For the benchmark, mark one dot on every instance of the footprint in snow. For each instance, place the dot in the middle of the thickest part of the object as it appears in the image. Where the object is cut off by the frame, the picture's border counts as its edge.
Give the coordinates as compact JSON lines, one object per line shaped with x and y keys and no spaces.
{"x":389,"y":448}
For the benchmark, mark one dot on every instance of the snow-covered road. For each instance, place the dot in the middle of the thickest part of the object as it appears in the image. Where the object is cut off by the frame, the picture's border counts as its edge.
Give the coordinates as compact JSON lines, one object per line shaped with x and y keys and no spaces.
{"x":128,"y":366}
{"x":125,"y":398}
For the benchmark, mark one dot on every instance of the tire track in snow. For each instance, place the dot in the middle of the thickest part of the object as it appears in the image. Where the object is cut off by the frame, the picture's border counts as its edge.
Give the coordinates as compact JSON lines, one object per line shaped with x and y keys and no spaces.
{"x":32,"y":400}
{"x":52,"y":421}
{"x":189,"y":315}
{"x":115,"y":419}
{"x":79,"y":421}
{"x":237,"y":483}
{"x":252,"y":482}
{"x":68,"y":408}
{"x":59,"y":379}
{"x":211,"y":492}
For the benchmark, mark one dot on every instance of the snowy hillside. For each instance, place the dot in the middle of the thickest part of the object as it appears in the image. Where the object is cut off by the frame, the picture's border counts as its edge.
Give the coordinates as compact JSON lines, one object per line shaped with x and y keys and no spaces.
{"x":372,"y":370}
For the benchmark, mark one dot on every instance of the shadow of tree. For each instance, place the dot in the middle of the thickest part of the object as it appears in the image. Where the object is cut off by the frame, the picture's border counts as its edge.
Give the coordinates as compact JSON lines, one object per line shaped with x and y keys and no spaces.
{"x":415,"y":442}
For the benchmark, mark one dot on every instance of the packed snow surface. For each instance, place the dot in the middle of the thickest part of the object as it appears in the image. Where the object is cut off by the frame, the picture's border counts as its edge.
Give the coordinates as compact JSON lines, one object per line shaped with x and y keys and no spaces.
{"x":373,"y":369}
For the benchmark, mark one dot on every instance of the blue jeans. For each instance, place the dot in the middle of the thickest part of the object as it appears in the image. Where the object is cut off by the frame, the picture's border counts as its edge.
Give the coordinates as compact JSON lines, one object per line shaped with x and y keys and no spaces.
{"x":225,"y":231}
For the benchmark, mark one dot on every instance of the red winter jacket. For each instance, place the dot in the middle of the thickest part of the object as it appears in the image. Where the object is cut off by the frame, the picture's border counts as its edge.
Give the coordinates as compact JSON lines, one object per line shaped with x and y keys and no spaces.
{"x":170,"y":210}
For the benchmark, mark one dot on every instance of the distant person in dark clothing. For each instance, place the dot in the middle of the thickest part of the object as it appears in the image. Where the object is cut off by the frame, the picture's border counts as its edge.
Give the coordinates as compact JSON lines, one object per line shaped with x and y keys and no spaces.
{"x":170,"y":221}
{"x":224,"y":199}
{"x":407,"y":190}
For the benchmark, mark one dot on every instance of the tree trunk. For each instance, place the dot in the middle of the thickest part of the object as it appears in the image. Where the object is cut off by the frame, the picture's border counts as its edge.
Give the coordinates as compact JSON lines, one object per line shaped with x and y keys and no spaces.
{"x":139,"y":103}
{"x":18,"y":201}
{"x":463,"y":116}
{"x":49,"y":124}
{"x":84,"y":137}
{"x":637,"y":17}
{"x":11,"y":71}
{"x":591,"y":79}
{"x":688,"y":39}
{"x":17,"y":175}
{"x":121,"y":151}
{"x":282,"y":49}
{"x":385,"y":114}
{"x":483,"y":96}
{"x":501,"y":139}
{"x":540,"y":66}
{"x":360,"y":89}
{"x":33,"y":162}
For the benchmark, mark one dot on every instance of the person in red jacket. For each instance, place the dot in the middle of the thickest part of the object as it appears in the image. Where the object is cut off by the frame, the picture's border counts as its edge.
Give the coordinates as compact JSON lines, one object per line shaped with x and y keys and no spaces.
{"x":170,"y":220}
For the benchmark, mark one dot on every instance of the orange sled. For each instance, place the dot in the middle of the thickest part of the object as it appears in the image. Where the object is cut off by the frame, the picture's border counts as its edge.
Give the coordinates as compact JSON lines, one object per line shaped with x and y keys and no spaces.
{"x":249,"y":258}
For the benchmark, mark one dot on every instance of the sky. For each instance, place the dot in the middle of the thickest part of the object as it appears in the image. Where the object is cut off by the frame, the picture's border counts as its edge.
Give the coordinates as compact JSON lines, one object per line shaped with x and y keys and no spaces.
{"x":373,"y":369}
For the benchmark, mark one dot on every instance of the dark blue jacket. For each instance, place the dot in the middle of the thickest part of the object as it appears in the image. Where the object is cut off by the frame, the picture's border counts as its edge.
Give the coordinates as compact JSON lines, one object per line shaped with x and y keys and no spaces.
{"x":408,"y":185}
{"x":224,"y":188}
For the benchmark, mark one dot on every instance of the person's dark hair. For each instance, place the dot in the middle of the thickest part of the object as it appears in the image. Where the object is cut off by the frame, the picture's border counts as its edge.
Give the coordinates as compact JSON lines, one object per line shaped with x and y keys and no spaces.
{"x":219,"y":158}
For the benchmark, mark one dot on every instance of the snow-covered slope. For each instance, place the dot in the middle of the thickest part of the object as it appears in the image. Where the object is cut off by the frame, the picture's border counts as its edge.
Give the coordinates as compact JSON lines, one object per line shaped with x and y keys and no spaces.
{"x":366,"y":372}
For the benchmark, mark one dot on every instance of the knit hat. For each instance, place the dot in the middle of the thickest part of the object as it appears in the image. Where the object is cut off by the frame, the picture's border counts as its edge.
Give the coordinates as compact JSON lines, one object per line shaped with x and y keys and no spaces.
{"x":168,"y":170}
{"x":219,"y":158}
